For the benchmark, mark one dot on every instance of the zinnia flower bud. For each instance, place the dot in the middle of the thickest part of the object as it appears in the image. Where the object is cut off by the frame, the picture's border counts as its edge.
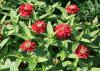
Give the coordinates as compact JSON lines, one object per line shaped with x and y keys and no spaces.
{"x":28,"y":46}
{"x":25,"y":10}
{"x":72,"y":9}
{"x":62,"y":31}
{"x":39,"y":27}
{"x":82,"y":52}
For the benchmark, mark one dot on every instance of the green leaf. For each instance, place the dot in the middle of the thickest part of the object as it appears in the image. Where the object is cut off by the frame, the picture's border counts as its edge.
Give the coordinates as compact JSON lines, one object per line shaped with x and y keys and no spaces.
{"x":97,"y":5}
{"x":68,"y":4}
{"x":95,"y":69}
{"x":75,"y":62}
{"x":82,"y":69}
{"x":3,"y":42}
{"x":94,"y":33}
{"x":44,"y":16}
{"x":50,"y":34}
{"x":18,"y":61}
{"x":10,"y":32}
{"x":49,"y":67}
{"x":3,"y":19}
{"x":50,"y":30}
{"x":64,"y":14}
{"x":77,"y":27}
{"x":14,"y":66}
{"x":65,"y":44}
{"x":95,"y":26}
{"x":34,"y":15}
{"x":80,"y":36}
{"x":95,"y":21}
{"x":32,"y":63}
{"x":40,"y":3}
{"x":6,"y":65}
{"x":91,"y":6}
{"x":72,"y":56}
{"x":21,"y":36}
{"x":62,"y":55}
{"x":72,"y":21}
{"x":74,"y":46}
{"x":59,"y":21}
{"x":49,"y":10}
{"x":16,"y":29}
{"x":93,"y":46}
{"x":25,"y":28}
{"x":94,"y":38}
{"x":69,"y":17}
{"x":85,"y":40}
{"x":13,"y":13}
{"x":14,"y":16}
{"x":55,"y":5}
{"x":43,"y":68}
{"x":64,"y":64}
{"x":32,"y":66}
{"x":42,"y":59}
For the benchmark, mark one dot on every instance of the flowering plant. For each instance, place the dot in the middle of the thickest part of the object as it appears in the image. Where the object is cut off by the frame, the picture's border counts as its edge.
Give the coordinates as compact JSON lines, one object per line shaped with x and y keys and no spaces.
{"x":38,"y":35}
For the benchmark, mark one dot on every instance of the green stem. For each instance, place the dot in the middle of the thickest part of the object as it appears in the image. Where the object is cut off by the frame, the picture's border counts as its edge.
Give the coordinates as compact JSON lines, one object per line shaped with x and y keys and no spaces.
{"x":76,"y":62}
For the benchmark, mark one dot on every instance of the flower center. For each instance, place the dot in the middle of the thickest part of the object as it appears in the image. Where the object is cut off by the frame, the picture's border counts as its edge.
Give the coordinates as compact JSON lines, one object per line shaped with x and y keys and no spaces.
{"x":28,"y":45}
{"x":62,"y":28}
{"x":39,"y":25}
{"x":83,"y":50}
{"x":26,"y":8}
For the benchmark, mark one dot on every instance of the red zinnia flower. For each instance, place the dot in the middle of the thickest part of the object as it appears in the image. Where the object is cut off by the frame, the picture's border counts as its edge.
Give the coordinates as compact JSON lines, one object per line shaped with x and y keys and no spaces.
{"x":72,"y":9}
{"x":39,"y":27}
{"x":28,"y":46}
{"x":25,"y":10}
{"x":62,"y":31}
{"x":82,"y":51}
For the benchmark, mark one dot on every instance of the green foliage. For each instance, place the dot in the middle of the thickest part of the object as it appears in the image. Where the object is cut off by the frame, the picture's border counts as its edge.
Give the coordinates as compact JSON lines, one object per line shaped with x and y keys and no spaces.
{"x":51,"y":54}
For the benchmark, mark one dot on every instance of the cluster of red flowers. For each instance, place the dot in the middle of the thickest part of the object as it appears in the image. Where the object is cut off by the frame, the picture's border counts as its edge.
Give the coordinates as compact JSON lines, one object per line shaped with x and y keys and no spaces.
{"x":63,"y":30}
